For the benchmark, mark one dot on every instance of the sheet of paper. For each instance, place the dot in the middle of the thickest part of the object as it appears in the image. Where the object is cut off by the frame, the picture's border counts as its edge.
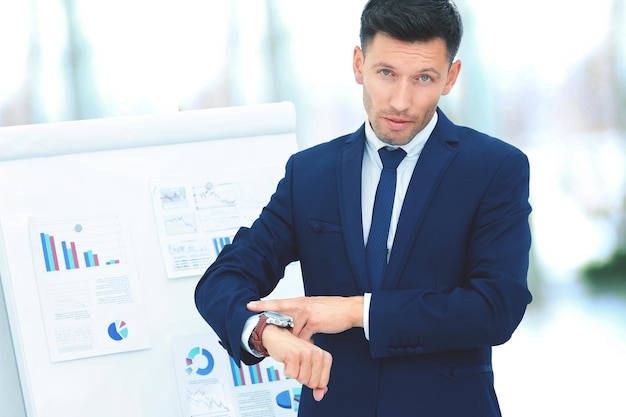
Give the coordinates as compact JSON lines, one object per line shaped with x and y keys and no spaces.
{"x":210,"y":383}
{"x":88,"y":290}
{"x":196,"y":217}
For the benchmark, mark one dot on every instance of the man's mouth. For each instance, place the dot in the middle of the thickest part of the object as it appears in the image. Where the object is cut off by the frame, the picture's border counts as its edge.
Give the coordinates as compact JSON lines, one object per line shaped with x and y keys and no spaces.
{"x":396,"y":123}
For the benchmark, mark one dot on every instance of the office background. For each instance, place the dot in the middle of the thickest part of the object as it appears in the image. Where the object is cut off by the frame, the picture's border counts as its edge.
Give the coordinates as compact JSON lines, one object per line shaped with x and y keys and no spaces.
{"x":549,"y":77}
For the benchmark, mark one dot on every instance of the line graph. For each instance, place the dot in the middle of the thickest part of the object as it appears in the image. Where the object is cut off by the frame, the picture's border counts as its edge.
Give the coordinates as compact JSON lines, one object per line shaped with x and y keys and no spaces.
{"x":210,"y":196}
{"x":190,"y":255}
{"x":173,"y":197}
{"x":207,"y":400}
{"x":180,"y":224}
{"x":69,"y":296}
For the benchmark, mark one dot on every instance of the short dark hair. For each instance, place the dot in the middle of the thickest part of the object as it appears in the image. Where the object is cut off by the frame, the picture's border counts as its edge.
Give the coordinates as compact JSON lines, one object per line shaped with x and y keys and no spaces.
{"x":412,"y":21}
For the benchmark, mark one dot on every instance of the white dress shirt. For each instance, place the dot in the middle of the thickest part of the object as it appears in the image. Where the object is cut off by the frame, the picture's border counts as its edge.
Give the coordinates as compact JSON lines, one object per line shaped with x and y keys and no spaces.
{"x":371,"y":169}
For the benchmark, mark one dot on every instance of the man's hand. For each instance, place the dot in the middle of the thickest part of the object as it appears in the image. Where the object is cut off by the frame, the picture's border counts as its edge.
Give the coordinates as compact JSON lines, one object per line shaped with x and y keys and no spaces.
{"x":302,"y":360}
{"x":313,"y":315}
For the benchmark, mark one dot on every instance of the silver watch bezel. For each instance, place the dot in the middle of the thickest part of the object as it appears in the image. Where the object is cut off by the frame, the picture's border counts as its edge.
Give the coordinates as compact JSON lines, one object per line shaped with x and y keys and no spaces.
{"x":278,"y":319}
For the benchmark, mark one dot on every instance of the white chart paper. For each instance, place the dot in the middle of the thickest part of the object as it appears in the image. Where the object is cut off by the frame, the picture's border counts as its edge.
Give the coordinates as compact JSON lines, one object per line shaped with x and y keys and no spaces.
{"x":88,"y":290}
{"x":196,"y":217}
{"x":210,"y":383}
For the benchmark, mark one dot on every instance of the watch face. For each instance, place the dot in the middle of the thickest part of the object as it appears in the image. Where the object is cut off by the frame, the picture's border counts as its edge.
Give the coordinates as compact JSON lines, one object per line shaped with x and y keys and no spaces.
{"x":278,"y":319}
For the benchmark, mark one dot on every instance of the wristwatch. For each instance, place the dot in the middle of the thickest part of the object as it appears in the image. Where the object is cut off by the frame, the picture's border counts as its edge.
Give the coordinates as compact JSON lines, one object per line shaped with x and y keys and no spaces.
{"x":267,"y":317}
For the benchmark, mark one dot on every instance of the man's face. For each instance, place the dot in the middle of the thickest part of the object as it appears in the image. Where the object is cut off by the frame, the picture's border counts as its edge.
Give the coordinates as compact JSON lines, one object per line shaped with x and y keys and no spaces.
{"x":402,"y":83}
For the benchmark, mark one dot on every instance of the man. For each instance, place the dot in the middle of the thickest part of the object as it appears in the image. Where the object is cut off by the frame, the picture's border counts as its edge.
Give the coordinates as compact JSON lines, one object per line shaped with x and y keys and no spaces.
{"x":410,"y":336}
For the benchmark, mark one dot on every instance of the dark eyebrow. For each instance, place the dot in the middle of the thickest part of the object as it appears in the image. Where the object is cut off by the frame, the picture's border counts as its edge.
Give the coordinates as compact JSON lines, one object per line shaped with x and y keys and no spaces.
{"x":382,"y":64}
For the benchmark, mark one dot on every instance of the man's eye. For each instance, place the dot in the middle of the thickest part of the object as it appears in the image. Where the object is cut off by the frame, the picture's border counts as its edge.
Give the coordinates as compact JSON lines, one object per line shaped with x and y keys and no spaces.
{"x":424,"y":78}
{"x":385,"y":72}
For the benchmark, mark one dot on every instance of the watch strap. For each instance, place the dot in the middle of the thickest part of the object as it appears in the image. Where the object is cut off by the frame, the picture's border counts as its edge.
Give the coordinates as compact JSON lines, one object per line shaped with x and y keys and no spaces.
{"x":256,"y":343}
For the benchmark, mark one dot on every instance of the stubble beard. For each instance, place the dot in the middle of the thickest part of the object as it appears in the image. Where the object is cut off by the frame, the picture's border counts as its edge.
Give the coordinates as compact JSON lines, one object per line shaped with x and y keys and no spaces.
{"x":394,"y":138}
{"x":400,"y":138}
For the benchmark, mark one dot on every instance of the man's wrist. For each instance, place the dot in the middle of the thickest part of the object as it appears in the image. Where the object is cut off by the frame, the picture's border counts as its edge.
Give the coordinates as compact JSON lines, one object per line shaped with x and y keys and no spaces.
{"x":356,"y":312}
{"x":256,"y":337}
{"x":266,"y":318}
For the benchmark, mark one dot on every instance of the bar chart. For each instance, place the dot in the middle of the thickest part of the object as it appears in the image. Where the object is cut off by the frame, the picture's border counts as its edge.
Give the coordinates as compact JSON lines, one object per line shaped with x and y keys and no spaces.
{"x":220,"y":242}
{"x":89,"y":243}
{"x":253,"y":374}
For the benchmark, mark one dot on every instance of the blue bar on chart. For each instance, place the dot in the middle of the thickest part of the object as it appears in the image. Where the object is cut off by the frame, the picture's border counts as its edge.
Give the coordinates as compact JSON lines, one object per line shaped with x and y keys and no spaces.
{"x":49,"y":252}
{"x":239,"y":378}
{"x":219,"y":243}
{"x":70,"y":255}
{"x":272,"y":374}
{"x":254,"y":373}
{"x":91,"y":259}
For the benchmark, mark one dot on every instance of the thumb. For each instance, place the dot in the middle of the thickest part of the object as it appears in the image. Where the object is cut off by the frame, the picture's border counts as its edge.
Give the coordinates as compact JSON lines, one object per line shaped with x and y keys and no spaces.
{"x":318,"y":393}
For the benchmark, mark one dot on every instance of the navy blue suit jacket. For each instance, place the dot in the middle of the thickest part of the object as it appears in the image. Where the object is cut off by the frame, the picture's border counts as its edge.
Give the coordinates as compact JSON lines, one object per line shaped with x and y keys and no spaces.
{"x":455,"y":285}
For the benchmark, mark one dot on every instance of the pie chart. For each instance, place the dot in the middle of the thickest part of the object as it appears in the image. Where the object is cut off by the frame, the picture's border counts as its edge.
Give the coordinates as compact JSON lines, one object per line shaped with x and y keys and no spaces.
{"x":118,"y":330}
{"x":289,"y":400}
{"x":199,"y":360}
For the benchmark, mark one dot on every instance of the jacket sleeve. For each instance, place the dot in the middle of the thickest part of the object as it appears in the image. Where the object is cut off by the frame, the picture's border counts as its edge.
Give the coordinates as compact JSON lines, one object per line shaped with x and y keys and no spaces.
{"x":491,"y":295}
{"x":247,"y":269}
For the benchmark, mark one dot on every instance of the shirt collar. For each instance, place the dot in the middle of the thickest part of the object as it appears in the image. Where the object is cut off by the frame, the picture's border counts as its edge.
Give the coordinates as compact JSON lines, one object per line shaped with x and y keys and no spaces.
{"x":414,"y":147}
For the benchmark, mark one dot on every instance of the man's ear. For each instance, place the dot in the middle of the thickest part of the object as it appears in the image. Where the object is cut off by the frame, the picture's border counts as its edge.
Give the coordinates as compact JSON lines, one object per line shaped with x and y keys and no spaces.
{"x":357,"y":64}
{"x":453,"y":74}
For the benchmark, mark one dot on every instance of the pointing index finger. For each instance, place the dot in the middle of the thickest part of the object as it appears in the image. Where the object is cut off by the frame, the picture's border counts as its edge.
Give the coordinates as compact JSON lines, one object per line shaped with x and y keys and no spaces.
{"x":262,"y":306}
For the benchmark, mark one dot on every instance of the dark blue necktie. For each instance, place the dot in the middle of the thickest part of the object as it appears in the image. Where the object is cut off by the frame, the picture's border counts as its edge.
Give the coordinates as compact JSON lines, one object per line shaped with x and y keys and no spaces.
{"x":376,"y":248}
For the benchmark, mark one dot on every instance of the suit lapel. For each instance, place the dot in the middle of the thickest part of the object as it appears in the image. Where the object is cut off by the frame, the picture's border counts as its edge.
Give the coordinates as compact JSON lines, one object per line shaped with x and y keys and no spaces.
{"x":433,"y":160}
{"x":349,"y":182}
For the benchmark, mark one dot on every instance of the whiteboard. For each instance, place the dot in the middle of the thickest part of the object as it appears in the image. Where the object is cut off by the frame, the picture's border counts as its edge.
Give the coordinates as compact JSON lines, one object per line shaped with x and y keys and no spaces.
{"x":97,"y":312}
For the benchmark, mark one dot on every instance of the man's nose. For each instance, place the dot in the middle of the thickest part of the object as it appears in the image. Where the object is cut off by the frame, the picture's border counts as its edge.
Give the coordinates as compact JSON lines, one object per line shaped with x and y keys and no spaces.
{"x":401,"y":96}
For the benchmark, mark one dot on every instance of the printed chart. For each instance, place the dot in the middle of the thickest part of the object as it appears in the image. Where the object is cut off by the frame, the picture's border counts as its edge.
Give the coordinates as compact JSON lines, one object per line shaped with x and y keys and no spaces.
{"x":63,"y":253}
{"x":88,"y":290}
{"x":197,"y":217}
{"x":211,"y":384}
{"x":254,"y":374}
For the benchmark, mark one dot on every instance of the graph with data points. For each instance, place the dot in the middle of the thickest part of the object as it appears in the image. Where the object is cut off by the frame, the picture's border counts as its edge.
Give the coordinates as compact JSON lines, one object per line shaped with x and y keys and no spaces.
{"x":85,"y":243}
{"x":211,"y":383}
{"x":196,"y":217}
{"x":254,"y":374}
{"x":207,"y":400}
{"x":89,"y":292}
